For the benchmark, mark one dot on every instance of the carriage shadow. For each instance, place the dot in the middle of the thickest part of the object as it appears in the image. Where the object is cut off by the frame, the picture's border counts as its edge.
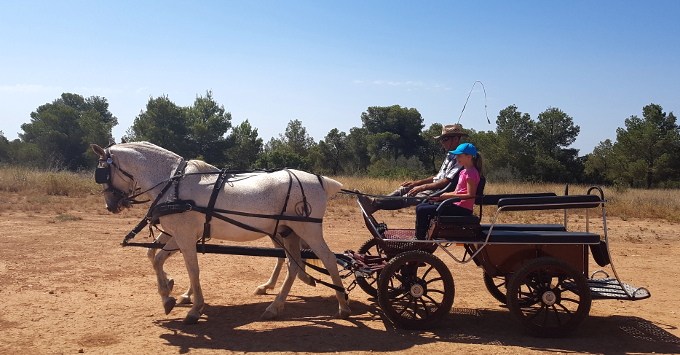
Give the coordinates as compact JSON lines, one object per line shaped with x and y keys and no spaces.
{"x":313,"y":329}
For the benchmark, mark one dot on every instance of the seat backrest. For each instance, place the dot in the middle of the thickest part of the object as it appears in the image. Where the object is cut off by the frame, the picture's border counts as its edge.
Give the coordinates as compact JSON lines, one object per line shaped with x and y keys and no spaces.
{"x":480,"y":190}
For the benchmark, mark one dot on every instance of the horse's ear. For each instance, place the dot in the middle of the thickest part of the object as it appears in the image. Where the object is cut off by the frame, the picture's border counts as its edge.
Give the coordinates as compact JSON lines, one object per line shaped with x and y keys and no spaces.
{"x":122,"y":140}
{"x":98,"y":150}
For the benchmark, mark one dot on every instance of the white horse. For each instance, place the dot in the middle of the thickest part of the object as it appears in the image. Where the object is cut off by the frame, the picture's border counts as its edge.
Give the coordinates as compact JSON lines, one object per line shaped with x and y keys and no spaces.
{"x":295,"y":200}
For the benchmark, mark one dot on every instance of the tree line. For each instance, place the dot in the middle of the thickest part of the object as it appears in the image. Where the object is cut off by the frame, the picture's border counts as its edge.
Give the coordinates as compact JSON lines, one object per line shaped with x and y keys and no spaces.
{"x":392,"y":142}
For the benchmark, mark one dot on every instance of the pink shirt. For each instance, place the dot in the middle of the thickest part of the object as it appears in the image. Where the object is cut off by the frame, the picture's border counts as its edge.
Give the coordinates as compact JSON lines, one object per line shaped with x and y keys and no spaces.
{"x":461,"y":188}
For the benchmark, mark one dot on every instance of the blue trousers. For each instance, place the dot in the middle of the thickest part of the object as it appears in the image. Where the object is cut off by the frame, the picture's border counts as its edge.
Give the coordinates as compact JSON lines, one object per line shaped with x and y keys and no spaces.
{"x":426,"y":210}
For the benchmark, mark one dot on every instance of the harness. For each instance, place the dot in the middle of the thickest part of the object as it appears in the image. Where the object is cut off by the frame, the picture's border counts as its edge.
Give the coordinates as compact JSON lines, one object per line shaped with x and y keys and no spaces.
{"x":176,"y":205}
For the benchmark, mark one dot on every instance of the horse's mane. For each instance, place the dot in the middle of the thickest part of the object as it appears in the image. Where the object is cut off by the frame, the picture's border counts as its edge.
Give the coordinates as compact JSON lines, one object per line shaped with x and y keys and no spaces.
{"x":149,"y":145}
{"x":203,"y":167}
{"x":199,"y":165}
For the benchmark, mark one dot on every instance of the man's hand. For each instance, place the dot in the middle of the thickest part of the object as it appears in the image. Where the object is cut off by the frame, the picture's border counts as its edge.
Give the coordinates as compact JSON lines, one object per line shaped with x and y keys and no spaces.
{"x":415,"y":190}
{"x":407,"y":184}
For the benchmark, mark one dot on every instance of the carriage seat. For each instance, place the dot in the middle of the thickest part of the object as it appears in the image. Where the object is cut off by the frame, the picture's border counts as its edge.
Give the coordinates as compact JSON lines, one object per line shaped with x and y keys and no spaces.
{"x":525,"y":227}
{"x":459,"y":220}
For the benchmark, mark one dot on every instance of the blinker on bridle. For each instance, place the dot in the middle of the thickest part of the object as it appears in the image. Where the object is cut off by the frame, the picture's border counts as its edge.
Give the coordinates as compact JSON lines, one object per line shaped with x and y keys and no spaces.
{"x":102,"y":175}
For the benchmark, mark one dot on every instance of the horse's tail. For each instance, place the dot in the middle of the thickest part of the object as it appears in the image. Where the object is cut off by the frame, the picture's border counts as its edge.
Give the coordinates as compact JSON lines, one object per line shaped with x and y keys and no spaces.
{"x":331,"y":186}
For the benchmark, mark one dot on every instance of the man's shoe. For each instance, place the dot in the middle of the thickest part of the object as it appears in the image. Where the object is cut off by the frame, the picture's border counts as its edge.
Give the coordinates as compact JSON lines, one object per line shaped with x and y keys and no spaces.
{"x":368,"y":204}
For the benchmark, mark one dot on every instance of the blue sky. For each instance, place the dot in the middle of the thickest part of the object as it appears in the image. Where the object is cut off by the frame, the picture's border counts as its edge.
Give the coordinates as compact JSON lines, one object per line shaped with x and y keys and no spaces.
{"x":324,"y":62}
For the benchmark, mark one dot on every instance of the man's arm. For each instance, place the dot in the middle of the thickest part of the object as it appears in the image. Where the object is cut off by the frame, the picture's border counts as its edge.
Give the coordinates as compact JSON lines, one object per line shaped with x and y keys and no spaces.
{"x":440,"y":184}
{"x":418,"y":182}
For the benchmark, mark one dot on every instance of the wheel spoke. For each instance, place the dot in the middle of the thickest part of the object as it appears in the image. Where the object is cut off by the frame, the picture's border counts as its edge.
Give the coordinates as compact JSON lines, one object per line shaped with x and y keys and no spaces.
{"x":557,"y":313}
{"x":426,"y":309}
{"x":432,"y":280}
{"x":549,"y":296}
{"x":425,"y":292}
{"x":435,"y":291}
{"x":432,"y":301}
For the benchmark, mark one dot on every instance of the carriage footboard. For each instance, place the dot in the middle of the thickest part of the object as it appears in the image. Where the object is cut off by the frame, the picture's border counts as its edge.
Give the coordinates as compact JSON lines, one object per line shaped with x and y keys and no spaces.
{"x":611,"y":288}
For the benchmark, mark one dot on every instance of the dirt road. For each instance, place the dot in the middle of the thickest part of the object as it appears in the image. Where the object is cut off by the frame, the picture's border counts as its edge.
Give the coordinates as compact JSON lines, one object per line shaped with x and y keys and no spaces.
{"x":68,"y":287}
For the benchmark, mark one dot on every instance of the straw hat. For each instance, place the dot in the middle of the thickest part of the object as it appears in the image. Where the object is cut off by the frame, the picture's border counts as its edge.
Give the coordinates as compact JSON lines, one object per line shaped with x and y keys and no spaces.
{"x":452,"y":130}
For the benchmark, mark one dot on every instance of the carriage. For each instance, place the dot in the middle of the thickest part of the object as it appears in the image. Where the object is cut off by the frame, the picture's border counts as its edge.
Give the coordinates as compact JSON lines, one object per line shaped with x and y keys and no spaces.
{"x":541,"y":271}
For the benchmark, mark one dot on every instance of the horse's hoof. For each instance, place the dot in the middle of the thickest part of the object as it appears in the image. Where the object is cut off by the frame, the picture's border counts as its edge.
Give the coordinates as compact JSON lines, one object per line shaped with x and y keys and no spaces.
{"x":184,"y":300}
{"x":344,"y":313}
{"x":309,"y":281}
{"x":268,"y":314}
{"x":260,"y":290}
{"x":191,"y":319}
{"x":169,"y":304}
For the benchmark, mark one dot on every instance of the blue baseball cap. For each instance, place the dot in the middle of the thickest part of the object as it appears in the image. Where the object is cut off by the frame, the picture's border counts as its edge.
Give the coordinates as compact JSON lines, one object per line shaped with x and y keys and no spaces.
{"x":466,"y":148}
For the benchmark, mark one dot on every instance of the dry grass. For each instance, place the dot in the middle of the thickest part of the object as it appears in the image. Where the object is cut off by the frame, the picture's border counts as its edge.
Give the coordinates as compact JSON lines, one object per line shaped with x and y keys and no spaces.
{"x":627,"y":203}
{"x":60,"y":193}
{"x":36,"y":191}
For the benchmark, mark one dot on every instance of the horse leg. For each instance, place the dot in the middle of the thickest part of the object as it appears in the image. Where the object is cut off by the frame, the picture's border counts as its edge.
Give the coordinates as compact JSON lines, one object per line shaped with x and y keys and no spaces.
{"x":290,"y":243}
{"x":185,"y":298}
{"x":312,"y":233}
{"x":188,"y":248}
{"x":271,"y":283}
{"x":165,"y":284}
{"x":302,"y":274}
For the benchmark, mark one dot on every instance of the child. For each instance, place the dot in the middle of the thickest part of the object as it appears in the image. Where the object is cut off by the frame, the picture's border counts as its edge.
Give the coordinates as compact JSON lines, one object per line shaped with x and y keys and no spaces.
{"x":468,"y":180}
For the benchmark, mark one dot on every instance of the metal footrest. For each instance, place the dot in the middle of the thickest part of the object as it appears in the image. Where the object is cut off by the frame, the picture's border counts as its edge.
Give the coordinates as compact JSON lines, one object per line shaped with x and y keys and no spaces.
{"x":610,"y":288}
{"x":395,"y":241}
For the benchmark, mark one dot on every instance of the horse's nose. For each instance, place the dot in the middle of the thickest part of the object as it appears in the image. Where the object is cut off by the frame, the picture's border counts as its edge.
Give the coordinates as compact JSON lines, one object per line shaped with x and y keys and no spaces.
{"x":113,"y":208}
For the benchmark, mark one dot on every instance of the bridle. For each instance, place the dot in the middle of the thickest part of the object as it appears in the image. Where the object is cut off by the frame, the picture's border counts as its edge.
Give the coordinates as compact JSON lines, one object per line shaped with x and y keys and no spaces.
{"x":102,"y":175}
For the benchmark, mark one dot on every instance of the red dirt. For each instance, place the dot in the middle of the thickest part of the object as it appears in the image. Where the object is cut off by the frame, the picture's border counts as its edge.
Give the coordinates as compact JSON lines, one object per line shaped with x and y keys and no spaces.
{"x":70,"y":288}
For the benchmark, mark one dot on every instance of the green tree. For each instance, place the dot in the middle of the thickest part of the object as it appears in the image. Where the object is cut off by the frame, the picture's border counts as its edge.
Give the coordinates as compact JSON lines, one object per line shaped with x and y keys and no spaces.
{"x":290,"y":150}
{"x":208,"y":123}
{"x":331,"y":153}
{"x":296,"y":140}
{"x":432,"y":151}
{"x":404,"y":126}
{"x":62,"y":130}
{"x":357,"y":146}
{"x":165,"y":124}
{"x":649,"y":148}
{"x":601,"y":165}
{"x":553,"y":132}
{"x":4,"y":149}
{"x":246,"y":146}
{"x":515,"y":151}
{"x":487,"y":144}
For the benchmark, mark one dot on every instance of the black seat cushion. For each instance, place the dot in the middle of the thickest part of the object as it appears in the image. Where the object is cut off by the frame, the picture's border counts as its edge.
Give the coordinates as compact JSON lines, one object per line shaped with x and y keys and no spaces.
{"x":458,"y":220}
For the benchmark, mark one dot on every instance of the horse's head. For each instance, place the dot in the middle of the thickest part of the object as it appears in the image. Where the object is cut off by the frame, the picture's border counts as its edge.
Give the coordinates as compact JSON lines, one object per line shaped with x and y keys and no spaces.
{"x":118,"y":183}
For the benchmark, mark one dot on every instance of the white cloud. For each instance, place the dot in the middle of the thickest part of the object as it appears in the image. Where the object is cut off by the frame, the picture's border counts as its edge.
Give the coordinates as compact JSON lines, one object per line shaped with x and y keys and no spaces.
{"x":409,"y":84}
{"x":97,"y":91}
{"x":27,"y":89}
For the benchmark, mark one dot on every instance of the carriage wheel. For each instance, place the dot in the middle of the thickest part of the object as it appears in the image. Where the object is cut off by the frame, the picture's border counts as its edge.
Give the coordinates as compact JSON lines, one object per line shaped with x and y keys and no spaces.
{"x":370,"y":283}
{"x":415,"y":290}
{"x":496,"y":286}
{"x":549,"y":297}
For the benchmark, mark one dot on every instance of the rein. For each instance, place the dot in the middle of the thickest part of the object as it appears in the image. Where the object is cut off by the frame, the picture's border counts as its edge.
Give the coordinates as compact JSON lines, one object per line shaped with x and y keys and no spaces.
{"x":157,"y":210}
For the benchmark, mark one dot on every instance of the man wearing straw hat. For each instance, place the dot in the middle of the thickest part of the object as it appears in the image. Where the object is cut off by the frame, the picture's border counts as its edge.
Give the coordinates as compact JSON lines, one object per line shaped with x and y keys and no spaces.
{"x":417,"y":190}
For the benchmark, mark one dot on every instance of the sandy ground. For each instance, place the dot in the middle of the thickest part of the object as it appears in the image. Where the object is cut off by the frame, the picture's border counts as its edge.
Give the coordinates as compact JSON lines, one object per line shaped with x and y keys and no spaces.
{"x":69,"y":287}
